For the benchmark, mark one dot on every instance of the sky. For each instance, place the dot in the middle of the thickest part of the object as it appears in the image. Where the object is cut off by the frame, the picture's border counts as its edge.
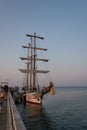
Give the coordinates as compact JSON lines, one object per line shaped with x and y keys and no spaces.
{"x":63,"y":24}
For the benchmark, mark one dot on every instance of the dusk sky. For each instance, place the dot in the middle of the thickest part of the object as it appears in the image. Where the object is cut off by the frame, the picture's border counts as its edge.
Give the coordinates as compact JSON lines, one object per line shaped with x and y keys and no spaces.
{"x":63,"y":24}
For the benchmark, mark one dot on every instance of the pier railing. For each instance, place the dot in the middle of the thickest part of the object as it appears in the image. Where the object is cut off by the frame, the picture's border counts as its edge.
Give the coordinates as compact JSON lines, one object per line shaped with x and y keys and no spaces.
{"x":14,"y":121}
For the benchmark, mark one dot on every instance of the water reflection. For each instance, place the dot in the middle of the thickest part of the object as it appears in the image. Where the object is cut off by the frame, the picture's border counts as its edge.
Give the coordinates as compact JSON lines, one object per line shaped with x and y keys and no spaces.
{"x":65,"y":111}
{"x":33,"y":112}
{"x":35,"y":117}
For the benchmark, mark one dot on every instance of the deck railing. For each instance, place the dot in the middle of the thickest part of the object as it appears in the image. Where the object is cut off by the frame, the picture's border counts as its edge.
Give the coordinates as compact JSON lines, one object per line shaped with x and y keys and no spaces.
{"x":14,"y":121}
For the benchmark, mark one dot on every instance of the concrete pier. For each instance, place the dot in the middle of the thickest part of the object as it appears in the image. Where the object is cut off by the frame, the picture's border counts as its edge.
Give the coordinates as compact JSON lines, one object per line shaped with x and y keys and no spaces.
{"x":9,"y":117}
{"x":3,"y":116}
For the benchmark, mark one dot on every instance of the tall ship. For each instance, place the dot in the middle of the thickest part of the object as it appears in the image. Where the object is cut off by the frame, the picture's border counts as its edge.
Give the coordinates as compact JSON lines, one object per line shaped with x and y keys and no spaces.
{"x":34,"y":93}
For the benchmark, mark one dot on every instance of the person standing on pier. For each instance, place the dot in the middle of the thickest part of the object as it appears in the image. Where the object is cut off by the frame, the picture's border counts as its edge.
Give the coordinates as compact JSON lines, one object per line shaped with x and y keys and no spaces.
{"x":0,"y":105}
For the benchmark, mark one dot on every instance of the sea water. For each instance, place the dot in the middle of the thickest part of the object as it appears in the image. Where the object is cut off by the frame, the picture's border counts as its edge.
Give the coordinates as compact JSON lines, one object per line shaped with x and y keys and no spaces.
{"x":66,"y":110}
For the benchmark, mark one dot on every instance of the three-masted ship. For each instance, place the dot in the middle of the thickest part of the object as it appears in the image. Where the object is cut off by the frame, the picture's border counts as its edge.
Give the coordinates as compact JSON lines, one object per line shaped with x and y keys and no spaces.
{"x":33,"y":92}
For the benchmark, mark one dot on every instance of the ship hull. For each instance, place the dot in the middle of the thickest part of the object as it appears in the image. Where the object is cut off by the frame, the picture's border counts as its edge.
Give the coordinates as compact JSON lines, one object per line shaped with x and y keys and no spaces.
{"x":33,"y":97}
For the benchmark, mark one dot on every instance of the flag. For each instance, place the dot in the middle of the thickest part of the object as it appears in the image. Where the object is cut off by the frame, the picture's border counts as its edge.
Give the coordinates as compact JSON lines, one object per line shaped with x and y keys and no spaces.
{"x":29,"y":44}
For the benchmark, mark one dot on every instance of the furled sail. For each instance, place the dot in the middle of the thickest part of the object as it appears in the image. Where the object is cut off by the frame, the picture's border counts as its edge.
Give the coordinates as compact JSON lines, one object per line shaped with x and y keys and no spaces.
{"x":38,"y":59}
{"x":33,"y":71}
{"x":28,"y":35}
{"x":37,"y":48}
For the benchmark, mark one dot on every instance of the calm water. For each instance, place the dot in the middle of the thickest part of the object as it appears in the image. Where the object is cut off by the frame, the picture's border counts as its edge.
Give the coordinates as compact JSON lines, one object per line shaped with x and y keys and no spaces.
{"x":67,"y":110}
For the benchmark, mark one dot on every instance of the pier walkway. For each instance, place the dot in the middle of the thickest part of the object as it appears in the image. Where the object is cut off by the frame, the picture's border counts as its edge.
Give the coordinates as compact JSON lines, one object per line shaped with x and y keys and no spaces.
{"x":3,"y":115}
{"x":9,"y":116}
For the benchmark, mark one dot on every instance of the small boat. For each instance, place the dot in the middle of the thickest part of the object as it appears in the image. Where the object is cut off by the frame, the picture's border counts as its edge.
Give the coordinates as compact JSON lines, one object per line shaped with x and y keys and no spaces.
{"x":33,"y":92}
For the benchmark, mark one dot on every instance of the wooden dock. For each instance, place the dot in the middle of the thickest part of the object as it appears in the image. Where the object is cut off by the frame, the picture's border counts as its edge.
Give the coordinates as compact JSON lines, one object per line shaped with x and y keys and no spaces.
{"x":10,"y":118}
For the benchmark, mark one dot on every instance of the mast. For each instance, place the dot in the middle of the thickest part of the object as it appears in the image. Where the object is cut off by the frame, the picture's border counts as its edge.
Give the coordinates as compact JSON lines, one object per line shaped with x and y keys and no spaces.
{"x":27,"y":84}
{"x":31,"y":61}
{"x":31,"y":65}
{"x":34,"y":74}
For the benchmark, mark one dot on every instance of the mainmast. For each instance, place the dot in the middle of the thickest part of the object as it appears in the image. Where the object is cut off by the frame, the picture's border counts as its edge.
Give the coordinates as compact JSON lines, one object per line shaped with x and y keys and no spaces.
{"x":34,"y":74}
{"x":32,"y":58}
{"x":27,"y":84}
{"x":31,"y":64}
